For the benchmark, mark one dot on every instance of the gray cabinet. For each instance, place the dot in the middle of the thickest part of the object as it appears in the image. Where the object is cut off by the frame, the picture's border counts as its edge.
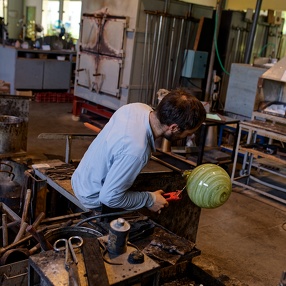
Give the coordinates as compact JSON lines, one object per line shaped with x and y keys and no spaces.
{"x":57,"y":74}
{"x":35,"y":69}
{"x":29,"y":73}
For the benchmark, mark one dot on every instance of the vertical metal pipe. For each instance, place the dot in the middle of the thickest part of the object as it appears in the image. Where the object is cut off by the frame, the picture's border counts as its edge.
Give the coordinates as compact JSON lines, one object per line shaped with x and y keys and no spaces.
{"x":158,"y":44}
{"x":156,"y":63}
{"x":161,"y":66}
{"x":148,"y":60}
{"x":170,"y":53}
{"x":61,"y":10}
{"x":152,"y":61}
{"x":251,"y":34}
{"x":144,"y":58}
{"x":178,"y":52}
{"x":166,"y":7}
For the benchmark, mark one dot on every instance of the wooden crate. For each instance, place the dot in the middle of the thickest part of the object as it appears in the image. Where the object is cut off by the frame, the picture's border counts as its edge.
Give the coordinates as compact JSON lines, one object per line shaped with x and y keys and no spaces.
{"x":4,"y":87}
{"x":24,"y":93}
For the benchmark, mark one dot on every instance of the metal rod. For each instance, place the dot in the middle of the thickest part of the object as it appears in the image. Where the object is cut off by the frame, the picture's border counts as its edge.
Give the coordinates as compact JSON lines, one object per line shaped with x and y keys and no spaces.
{"x":237,"y":29}
{"x":170,"y":53}
{"x":148,"y":62}
{"x":4,"y":230}
{"x":156,"y":59}
{"x":178,"y":52}
{"x":260,"y":192}
{"x":160,"y":66}
{"x":166,"y":8}
{"x":251,"y":34}
{"x":144,"y":58}
{"x":151,"y":71}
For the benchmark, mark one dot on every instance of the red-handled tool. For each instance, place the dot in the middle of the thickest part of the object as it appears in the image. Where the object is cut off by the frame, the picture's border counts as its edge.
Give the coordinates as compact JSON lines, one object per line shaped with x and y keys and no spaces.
{"x":174,"y":196}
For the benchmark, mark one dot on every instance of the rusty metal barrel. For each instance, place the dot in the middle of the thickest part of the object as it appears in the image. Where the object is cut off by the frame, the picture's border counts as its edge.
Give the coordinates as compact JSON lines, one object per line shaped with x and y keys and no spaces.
{"x":11,"y":129}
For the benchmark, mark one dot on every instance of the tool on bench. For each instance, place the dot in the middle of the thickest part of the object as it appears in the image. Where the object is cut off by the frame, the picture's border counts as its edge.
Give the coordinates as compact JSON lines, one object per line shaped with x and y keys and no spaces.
{"x":94,"y":262}
{"x":71,"y":261}
{"x":174,"y":196}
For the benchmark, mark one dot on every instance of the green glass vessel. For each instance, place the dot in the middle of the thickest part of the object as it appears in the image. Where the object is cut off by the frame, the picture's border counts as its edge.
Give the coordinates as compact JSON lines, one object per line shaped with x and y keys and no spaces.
{"x":208,"y":186}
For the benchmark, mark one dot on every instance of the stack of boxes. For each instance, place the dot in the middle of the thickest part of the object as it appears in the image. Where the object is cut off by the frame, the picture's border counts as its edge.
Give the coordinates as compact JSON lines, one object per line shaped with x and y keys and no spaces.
{"x":4,"y":87}
{"x":53,"y":97}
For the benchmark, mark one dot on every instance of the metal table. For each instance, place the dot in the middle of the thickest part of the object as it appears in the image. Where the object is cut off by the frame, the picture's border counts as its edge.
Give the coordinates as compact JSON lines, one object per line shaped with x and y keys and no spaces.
{"x":49,"y":266}
{"x":63,"y":185}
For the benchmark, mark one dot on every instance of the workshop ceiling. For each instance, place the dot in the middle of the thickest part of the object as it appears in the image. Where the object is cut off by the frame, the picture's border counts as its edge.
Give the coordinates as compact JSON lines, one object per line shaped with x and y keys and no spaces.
{"x":243,"y":4}
{"x":266,"y":4}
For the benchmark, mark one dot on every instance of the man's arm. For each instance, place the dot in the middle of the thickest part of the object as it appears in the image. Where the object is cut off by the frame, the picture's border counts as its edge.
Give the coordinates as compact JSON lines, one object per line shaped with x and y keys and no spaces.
{"x":122,"y":174}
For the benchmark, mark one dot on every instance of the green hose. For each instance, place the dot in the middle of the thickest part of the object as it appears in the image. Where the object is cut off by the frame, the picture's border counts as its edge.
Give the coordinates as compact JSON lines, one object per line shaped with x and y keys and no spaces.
{"x":216,"y":47}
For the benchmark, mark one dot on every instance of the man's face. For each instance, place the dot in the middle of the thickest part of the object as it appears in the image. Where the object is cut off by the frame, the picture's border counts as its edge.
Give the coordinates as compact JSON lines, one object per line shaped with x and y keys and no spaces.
{"x":176,"y":134}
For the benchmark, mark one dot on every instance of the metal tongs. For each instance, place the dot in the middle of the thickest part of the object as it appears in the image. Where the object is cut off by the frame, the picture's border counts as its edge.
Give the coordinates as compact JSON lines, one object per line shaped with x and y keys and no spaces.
{"x":71,"y":260}
{"x":174,"y":196}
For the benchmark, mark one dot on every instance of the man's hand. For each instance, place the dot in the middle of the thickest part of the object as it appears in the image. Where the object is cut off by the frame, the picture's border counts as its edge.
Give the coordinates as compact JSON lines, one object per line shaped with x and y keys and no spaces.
{"x":159,"y":201}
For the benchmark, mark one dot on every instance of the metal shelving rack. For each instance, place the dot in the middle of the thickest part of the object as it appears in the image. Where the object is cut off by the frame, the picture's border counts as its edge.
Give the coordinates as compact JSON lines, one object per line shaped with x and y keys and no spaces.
{"x":251,"y":156}
{"x":271,"y":88}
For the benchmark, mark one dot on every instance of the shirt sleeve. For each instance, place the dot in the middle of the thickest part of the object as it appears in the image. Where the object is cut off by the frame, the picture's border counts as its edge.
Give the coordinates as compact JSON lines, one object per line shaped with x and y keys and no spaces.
{"x":122,"y":174}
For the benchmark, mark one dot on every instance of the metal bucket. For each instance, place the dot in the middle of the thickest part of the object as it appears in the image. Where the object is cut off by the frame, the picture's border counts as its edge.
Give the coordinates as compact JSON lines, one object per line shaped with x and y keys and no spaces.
{"x":10,"y":191}
{"x":10,"y":134}
{"x":66,"y":232}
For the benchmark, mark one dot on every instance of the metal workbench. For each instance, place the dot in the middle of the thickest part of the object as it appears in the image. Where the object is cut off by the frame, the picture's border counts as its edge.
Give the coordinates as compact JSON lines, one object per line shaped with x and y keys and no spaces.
{"x":273,"y":128}
{"x":181,"y":217}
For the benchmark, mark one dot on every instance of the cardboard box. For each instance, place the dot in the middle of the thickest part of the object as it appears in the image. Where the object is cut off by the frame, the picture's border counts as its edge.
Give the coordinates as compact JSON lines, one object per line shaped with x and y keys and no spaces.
{"x":278,"y":18}
{"x":270,"y":17}
{"x":24,"y":92}
{"x":4,"y":87}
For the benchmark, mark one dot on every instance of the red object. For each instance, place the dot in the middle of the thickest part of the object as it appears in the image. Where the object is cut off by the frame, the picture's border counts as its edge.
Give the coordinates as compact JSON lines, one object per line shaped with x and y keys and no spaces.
{"x":173,"y":196}
{"x":79,"y":104}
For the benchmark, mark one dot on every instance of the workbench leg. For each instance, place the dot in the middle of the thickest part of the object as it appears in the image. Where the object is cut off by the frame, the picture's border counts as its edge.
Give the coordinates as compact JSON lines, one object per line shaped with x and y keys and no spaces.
{"x":202,"y":143}
{"x":236,"y":154}
{"x":250,"y":157}
{"x":68,"y":149}
{"x":235,"y":141}
{"x":31,"y":275}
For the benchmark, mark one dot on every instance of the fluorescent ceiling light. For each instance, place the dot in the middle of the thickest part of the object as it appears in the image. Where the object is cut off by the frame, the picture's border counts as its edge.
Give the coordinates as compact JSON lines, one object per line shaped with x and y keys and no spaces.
{"x":211,"y":3}
{"x":279,"y":5}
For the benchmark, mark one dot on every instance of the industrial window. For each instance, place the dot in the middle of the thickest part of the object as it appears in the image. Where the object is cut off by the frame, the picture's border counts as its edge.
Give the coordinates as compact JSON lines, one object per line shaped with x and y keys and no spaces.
{"x":61,"y":17}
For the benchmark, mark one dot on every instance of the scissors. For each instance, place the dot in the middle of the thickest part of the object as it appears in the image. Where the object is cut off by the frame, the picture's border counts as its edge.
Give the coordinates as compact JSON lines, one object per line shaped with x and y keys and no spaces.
{"x":69,"y":245}
{"x":174,"y":196}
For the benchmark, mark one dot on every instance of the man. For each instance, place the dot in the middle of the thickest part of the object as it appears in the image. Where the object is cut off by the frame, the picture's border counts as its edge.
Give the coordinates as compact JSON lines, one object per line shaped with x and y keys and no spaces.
{"x":123,"y":147}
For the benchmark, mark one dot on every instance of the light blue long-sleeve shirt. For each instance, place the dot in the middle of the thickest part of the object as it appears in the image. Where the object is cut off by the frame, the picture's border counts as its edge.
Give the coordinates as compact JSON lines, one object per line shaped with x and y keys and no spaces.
{"x":114,"y":160}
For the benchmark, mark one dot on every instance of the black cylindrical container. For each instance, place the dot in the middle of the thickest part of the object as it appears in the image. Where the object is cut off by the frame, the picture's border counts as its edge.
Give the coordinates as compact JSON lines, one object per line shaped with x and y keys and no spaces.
{"x":11,"y":129}
{"x":118,"y":236}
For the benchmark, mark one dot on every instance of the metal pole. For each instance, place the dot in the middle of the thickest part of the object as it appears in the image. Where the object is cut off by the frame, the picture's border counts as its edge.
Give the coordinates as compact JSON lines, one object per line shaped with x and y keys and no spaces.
{"x":178,"y":52}
{"x":251,"y":34}
{"x":161,"y":67}
{"x":156,"y":63}
{"x":61,"y":10}
{"x":166,"y":6}
{"x":170,"y":53}
{"x":212,"y":56}
{"x":143,"y":60}
{"x":148,"y":62}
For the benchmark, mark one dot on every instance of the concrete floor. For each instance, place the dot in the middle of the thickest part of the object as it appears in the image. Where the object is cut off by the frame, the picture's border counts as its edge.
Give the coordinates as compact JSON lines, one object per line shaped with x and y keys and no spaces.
{"x":242,"y":242}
